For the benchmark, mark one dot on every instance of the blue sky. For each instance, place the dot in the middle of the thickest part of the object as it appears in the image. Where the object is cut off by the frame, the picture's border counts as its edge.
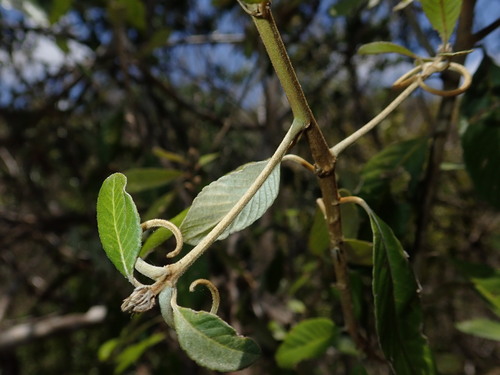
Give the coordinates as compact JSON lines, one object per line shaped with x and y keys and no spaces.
{"x":194,"y":59}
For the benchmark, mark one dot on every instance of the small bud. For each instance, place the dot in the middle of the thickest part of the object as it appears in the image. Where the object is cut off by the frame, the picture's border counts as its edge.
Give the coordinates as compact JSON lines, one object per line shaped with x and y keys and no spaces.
{"x":142,"y":299}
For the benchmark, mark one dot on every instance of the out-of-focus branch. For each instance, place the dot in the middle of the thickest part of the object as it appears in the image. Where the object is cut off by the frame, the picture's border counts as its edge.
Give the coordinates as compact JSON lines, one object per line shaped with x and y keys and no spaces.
{"x":44,"y":327}
{"x":214,"y":38}
{"x":483,"y":33}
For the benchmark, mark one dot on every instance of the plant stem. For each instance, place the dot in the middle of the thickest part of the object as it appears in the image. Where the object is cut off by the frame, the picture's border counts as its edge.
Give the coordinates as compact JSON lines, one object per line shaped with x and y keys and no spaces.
{"x":342,"y":145}
{"x":276,"y":50}
{"x":323,"y":158}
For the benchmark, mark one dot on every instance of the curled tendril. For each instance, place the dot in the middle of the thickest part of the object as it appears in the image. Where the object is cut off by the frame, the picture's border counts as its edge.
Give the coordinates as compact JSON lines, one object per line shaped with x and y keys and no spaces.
{"x":213,"y":290}
{"x":426,"y":69}
{"x":171,"y":227}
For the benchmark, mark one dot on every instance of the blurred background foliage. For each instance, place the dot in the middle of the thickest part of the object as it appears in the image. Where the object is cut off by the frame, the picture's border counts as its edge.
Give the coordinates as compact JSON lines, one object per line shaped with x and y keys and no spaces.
{"x":88,"y":88}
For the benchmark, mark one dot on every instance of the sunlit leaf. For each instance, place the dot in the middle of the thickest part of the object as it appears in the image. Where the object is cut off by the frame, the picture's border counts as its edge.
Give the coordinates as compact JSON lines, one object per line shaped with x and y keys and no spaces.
{"x":401,"y":5}
{"x":106,"y":349}
{"x":118,"y":224}
{"x":211,"y":342}
{"x":398,"y":313}
{"x":359,"y":252}
{"x":140,"y":179}
{"x":486,"y":281}
{"x":443,"y":15}
{"x":345,"y":7}
{"x":318,"y":235}
{"x":133,"y":352}
{"x":384,"y":47}
{"x":481,"y":137}
{"x":308,"y":339}
{"x":58,"y":9}
{"x":216,"y":199}
{"x":135,"y":12}
{"x":159,"y":39}
{"x":207,"y":159}
{"x":484,"y":328}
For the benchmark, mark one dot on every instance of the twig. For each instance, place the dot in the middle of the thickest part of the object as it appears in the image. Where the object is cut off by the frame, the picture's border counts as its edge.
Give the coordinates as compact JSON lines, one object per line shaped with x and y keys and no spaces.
{"x":27,"y":332}
{"x":342,"y":145}
{"x":323,"y":158}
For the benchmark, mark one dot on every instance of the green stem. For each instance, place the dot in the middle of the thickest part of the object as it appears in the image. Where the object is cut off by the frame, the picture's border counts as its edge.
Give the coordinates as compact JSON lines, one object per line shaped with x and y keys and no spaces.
{"x":178,"y":268}
{"x":323,"y":158}
{"x":270,"y":36}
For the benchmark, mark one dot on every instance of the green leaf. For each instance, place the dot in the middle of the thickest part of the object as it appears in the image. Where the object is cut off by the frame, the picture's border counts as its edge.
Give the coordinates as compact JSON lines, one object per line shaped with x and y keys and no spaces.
{"x":161,"y":235}
{"x":118,"y":224}
{"x":394,"y":162}
{"x":207,"y":159}
{"x":401,"y":5}
{"x":318,"y":235}
{"x":59,"y":8}
{"x":211,"y":342}
{"x":308,"y":339}
{"x":390,"y":180}
{"x":319,"y":239}
{"x":359,"y":252}
{"x":398,"y":314}
{"x":141,"y":179}
{"x":132,"y":353}
{"x":443,"y":15}
{"x":345,"y":7}
{"x":217,"y":199}
{"x":481,"y":137}
{"x":485,"y":328}
{"x":384,"y":47}
{"x":106,"y":349}
{"x":159,"y":206}
{"x":159,"y":39}
{"x":486,"y":281}
{"x":135,"y":13}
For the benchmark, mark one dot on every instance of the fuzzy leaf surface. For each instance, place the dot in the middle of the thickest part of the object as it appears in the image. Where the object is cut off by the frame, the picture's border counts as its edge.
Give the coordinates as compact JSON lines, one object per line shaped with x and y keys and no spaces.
{"x":118,"y":223}
{"x":216,"y":199}
{"x":398,"y":313}
{"x":443,"y":15}
{"x":211,"y":342}
{"x":308,"y":339}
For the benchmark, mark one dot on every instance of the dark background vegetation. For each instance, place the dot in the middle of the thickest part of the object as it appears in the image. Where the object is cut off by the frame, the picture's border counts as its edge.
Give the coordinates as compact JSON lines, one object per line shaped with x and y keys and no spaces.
{"x":95,"y":87}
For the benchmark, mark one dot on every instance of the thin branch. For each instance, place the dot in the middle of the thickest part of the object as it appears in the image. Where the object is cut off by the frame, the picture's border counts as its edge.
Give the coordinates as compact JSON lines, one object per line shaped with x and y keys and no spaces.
{"x":299,"y":161}
{"x":214,"y":38}
{"x":27,"y":332}
{"x":342,"y":145}
{"x":483,"y":33}
{"x":323,"y":158}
